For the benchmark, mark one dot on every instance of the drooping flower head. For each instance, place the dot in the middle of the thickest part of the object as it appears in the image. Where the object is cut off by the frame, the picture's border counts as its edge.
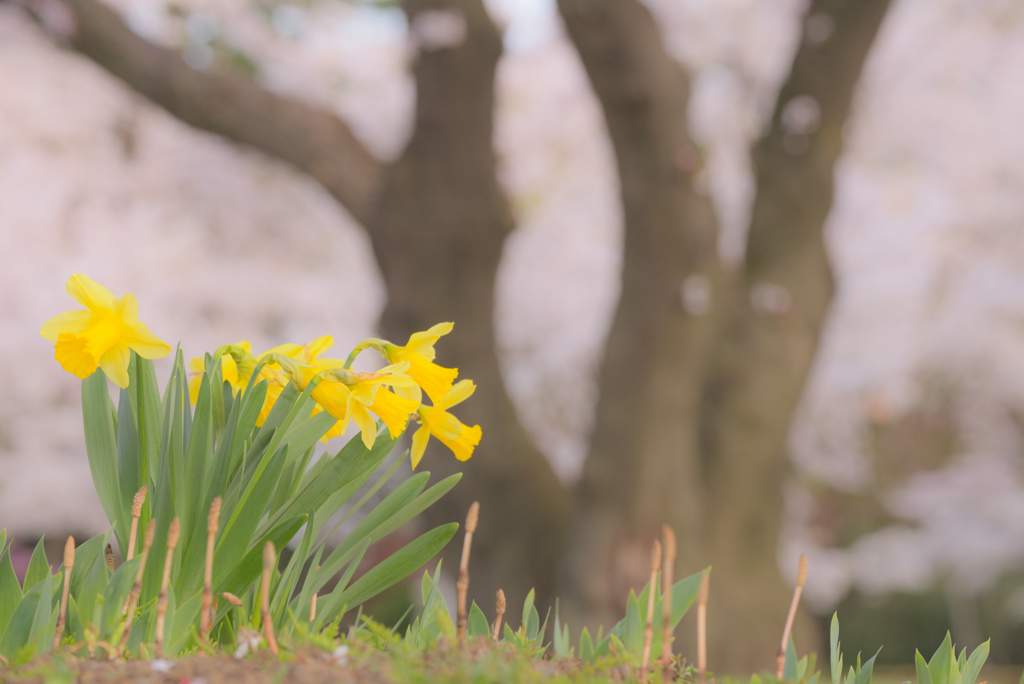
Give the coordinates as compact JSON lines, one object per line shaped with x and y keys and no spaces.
{"x":437,"y":421}
{"x":103,"y":334}
{"x":433,"y":379}
{"x":228,"y":369}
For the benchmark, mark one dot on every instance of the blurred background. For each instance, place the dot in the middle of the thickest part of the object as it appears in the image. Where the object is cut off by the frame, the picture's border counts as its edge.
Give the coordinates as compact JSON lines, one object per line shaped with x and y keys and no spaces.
{"x":753,"y":268}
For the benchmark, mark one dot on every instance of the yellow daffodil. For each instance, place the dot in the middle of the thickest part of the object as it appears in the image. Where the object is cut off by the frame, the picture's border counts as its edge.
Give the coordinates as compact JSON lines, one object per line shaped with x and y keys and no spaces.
{"x":103,"y":334}
{"x":435,"y":380}
{"x":350,"y":396}
{"x":436,"y":421}
{"x":347,"y":395}
{"x":228,"y":369}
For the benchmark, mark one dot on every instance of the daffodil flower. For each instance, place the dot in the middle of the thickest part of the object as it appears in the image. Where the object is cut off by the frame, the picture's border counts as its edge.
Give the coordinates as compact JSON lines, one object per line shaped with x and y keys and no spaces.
{"x":228,"y":369}
{"x":436,"y":421}
{"x":435,"y":380}
{"x":347,"y":395}
{"x":103,"y":334}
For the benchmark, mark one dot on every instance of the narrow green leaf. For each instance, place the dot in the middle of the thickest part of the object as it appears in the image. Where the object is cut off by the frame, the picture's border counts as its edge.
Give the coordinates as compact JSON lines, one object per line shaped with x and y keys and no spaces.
{"x":38,"y":567}
{"x":836,"y":656}
{"x":586,"y":646}
{"x":116,"y":595}
{"x":10,"y":588}
{"x":19,"y":627}
{"x":239,"y":530}
{"x":200,"y":449}
{"x":128,"y":458}
{"x":478,"y":625}
{"x":100,"y":443}
{"x":399,"y":565}
{"x":789,"y":666}
{"x":89,"y":578}
{"x":972,"y":669}
{"x":148,"y":411}
{"x":41,"y":633}
{"x":333,"y":606}
{"x":938,"y":666}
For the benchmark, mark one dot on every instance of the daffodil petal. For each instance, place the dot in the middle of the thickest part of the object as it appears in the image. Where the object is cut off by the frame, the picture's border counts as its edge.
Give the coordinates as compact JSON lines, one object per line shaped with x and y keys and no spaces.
{"x":365,"y":422}
{"x":458,"y":394}
{"x":146,"y":344}
{"x":89,"y":293}
{"x":115,"y":364}
{"x":67,"y":322}
{"x":435,"y":380}
{"x":412,"y":393}
{"x":419,"y":445}
{"x":441,"y":423}
{"x":319,"y":346}
{"x":127,"y":308}
{"x":422,"y":343}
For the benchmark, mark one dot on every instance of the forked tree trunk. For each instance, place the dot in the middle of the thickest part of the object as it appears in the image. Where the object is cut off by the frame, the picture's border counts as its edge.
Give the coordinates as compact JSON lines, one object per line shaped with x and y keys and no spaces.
{"x":438,"y":236}
{"x":714,"y":392}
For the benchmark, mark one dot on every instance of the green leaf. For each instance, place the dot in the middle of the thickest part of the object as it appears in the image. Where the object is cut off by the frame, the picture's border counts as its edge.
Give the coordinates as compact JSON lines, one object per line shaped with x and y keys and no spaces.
{"x":88,"y":578}
{"x":342,"y":477}
{"x":239,"y":530}
{"x":938,"y":666}
{"x":200,"y":449}
{"x":864,"y":673}
{"x":44,"y":621}
{"x":147,"y":398}
{"x":586,"y":646}
{"x":531,"y":620}
{"x":399,"y":565}
{"x":128,"y":460}
{"x":332,"y":606}
{"x":38,"y":567}
{"x":972,"y":669}
{"x":478,"y":625}
{"x":116,"y":595}
{"x":100,"y":444}
{"x":19,"y":629}
{"x":10,"y":588}
{"x":633,"y":634}
{"x":185,"y":617}
{"x":789,"y":668}
{"x":837,"y":656}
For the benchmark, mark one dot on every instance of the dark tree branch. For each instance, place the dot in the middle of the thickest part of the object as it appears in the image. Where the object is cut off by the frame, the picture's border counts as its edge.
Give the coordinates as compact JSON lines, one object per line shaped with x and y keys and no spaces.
{"x":314,"y":141}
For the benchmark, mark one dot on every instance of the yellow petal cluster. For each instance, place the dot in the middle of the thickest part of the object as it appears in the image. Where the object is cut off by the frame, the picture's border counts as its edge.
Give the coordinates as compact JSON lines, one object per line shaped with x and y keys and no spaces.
{"x":108,"y":329}
{"x":102,"y":335}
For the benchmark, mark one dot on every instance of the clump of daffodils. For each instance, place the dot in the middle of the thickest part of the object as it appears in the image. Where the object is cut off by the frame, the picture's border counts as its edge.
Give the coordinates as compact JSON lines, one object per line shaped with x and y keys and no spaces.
{"x":108,"y":329}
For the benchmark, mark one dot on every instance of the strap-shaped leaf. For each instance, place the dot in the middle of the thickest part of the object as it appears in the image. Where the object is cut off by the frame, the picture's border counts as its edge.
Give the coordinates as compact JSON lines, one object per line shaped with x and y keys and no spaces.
{"x":343,"y":476}
{"x":332,"y":605}
{"x":10,"y":588}
{"x":129,"y":472}
{"x":116,"y":595}
{"x":100,"y":444}
{"x":19,"y":628}
{"x":969,"y":673}
{"x":38,"y":567}
{"x":478,"y":626}
{"x":240,"y":528}
{"x":399,"y":565}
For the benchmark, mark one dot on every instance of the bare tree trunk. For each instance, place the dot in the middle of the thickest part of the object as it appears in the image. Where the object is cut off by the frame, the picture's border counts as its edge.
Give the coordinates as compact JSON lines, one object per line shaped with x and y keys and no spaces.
{"x":710,"y":422}
{"x":437,"y":220}
{"x":768,"y":348}
{"x":642,"y":467}
{"x":438,"y":236}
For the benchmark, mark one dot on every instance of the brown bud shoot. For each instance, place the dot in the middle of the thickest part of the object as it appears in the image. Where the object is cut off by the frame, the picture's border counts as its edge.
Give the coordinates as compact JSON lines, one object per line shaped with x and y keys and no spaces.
{"x":801,"y":572}
{"x":472,"y":517}
{"x":231,"y":598}
{"x":213,"y":522}
{"x":172,"y":534}
{"x":140,"y":498}
{"x":108,"y":558}
{"x":69,"y":554}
